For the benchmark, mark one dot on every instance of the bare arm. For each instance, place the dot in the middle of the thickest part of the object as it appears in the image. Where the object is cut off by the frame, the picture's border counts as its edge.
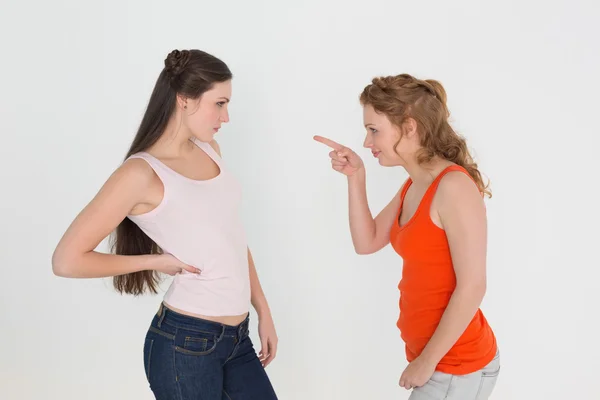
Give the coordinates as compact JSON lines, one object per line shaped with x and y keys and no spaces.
{"x":266,"y":327}
{"x":258,"y":298}
{"x":75,"y":255}
{"x":368,"y":235}
{"x":462,"y":213}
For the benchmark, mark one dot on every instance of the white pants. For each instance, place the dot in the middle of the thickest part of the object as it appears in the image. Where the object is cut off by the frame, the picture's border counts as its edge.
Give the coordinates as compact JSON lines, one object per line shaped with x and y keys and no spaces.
{"x":475,"y":386}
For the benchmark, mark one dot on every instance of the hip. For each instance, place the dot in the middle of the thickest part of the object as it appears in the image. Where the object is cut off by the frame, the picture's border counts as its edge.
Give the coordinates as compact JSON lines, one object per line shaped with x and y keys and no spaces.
{"x":474,"y":349}
{"x":477,"y":385}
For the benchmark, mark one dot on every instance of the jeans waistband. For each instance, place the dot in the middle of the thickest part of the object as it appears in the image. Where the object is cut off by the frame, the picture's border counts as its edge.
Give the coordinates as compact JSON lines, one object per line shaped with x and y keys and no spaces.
{"x":167,"y":316}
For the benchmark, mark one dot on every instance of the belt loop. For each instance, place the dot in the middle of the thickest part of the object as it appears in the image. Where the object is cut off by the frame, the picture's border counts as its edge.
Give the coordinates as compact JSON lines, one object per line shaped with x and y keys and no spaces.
{"x":221,"y":334}
{"x":161,"y":314}
{"x":242,"y":329}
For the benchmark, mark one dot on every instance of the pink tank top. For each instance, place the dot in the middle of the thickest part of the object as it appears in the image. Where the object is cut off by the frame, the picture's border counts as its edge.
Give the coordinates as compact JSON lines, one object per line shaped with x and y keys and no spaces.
{"x":200,"y":223}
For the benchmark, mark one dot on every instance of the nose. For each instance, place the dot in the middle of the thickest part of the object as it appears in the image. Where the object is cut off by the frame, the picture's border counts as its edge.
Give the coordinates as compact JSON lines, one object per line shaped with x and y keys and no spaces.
{"x":225,"y":116}
{"x":368,"y":143}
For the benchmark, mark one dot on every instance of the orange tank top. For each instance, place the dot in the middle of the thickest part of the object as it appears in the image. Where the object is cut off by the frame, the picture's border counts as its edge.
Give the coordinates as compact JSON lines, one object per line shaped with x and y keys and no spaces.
{"x":427,"y":283}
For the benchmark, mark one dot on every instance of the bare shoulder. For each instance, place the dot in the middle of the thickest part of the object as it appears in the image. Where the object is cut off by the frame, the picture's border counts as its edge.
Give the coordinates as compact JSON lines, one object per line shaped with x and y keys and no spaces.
{"x":216,"y":146}
{"x":458,"y":185}
{"x":458,"y":195}
{"x":134,"y":172}
{"x":130,"y":182}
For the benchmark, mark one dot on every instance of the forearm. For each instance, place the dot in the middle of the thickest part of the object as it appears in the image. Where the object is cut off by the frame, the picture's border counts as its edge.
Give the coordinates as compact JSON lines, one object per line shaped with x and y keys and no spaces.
{"x":99,"y":265}
{"x":362,"y":224}
{"x":458,"y":314}
{"x":258,"y":298}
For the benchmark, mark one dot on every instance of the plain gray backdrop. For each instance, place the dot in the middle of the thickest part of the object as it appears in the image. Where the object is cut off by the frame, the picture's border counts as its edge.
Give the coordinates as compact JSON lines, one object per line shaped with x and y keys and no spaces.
{"x":522,"y":82}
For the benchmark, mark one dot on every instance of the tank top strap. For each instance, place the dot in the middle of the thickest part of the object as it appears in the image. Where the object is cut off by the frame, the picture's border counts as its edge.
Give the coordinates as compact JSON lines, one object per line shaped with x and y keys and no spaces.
{"x":159,"y":168}
{"x":208,"y":149}
{"x":430,"y":193}
{"x":404,"y":188}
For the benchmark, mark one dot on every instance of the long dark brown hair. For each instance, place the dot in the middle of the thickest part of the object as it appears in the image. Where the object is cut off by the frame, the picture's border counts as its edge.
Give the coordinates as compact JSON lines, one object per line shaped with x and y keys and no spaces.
{"x":188,"y":73}
{"x":403,"y":96}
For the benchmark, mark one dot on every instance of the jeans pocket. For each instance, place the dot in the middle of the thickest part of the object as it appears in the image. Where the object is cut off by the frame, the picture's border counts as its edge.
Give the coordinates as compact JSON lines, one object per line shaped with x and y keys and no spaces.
{"x":198,"y":344}
{"x":488,"y":382}
{"x":148,"y":343}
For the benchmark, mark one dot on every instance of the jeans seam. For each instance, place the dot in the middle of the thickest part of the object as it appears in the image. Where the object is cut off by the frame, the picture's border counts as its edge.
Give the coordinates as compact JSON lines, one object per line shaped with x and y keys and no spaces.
{"x":159,"y":332}
{"x":485,"y":376}
{"x":480,"y":386}
{"x":196,"y":353}
{"x":449,"y":386}
{"x":177,"y":384}
{"x":148,"y":360}
{"x":235,"y":349}
{"x":192,"y":329}
{"x":203,"y":341}
{"x":227,"y":394}
{"x":234,"y":352}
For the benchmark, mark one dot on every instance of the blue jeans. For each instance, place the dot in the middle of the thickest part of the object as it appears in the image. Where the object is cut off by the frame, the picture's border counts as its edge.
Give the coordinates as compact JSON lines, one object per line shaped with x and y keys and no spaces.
{"x":187,"y":358}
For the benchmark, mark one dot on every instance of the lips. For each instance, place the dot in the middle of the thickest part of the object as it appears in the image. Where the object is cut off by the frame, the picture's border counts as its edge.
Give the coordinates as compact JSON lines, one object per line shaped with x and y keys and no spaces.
{"x":376,"y":153}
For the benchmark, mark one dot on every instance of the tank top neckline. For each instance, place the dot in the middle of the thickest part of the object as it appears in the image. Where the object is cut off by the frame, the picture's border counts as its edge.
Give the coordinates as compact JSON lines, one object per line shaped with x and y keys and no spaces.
{"x":425,"y":200}
{"x":208,"y":152}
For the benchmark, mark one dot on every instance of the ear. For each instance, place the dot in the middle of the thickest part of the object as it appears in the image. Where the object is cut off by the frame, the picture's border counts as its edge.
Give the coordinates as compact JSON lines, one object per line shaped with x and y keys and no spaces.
{"x":182,"y":102}
{"x":410,"y":127}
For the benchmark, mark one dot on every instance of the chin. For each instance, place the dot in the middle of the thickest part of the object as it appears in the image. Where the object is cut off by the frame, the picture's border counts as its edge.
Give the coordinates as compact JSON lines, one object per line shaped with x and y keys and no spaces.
{"x":206,"y":138}
{"x":388,"y":163}
{"x":383,"y":162}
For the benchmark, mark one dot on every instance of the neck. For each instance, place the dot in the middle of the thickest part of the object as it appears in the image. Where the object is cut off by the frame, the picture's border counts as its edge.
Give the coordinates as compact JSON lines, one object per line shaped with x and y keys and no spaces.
{"x":175,"y":140}
{"x":424,"y":174}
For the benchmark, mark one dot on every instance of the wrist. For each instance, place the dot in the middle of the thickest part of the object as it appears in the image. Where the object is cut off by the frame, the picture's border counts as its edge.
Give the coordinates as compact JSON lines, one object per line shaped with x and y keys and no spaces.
{"x":152,"y":262}
{"x":359,"y":176}
{"x":429,"y":358}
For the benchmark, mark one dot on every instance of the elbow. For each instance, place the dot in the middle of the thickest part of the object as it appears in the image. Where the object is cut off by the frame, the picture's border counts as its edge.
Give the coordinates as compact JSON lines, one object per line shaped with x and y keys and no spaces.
{"x":480,"y":287}
{"x":475,"y":289}
{"x":368,"y":245}
{"x":367,"y":248}
{"x":363,"y":251}
{"x":58,"y":268}
{"x":61,"y":266}
{"x":479,"y":292}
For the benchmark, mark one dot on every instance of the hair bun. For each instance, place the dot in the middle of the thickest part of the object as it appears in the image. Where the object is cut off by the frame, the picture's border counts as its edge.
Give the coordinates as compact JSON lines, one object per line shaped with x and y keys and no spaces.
{"x":176,"y":61}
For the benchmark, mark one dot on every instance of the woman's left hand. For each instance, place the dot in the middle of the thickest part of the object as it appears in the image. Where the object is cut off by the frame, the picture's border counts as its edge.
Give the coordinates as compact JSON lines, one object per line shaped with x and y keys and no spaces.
{"x":268,"y":340}
{"x":418,"y":373}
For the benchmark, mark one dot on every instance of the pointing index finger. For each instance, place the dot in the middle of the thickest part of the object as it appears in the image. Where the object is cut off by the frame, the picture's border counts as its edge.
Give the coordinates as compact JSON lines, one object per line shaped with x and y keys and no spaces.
{"x":329,"y":142}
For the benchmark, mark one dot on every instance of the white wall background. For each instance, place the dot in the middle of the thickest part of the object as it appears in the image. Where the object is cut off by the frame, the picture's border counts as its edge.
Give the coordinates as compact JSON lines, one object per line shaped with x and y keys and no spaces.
{"x":523,"y":84}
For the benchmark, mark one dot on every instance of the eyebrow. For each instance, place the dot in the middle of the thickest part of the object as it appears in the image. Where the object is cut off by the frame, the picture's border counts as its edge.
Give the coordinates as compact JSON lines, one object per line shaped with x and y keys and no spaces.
{"x":369,"y":124}
{"x":225,"y":98}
